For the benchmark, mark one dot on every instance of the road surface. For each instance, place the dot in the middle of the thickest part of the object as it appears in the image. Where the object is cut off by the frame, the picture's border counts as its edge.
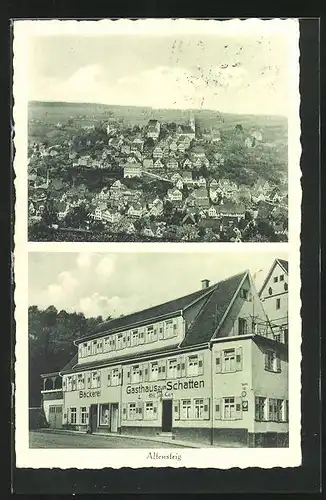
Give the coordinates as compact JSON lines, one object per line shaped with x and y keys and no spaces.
{"x":49,"y":439}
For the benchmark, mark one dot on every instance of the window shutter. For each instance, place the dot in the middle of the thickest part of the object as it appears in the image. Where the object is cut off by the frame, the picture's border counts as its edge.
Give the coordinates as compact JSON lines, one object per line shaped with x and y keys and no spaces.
{"x":109,"y":377}
{"x":80,"y":351}
{"x":64,"y":383}
{"x":218,"y":409}
{"x":141,"y":336}
{"x":120,"y":376}
{"x":160,"y":331}
{"x":200,"y":364}
{"x":124,"y":411}
{"x":155,"y":410}
{"x":145,"y":368}
{"x":179,"y":367}
{"x":176,"y":410}
{"x":238,"y":358}
{"x":140,"y":410}
{"x":218,"y":365}
{"x":88,"y":380}
{"x":278,"y":363}
{"x":163,"y":369}
{"x":183,"y":366}
{"x":238,"y":407}
{"x":141,"y":374}
{"x":266,"y":361}
{"x":98,"y":379}
{"x":206,"y":409}
{"x":128,"y":341}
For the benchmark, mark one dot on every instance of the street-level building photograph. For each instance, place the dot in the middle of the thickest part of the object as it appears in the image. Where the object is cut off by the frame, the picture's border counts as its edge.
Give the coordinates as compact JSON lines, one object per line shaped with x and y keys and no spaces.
{"x":140,"y":350}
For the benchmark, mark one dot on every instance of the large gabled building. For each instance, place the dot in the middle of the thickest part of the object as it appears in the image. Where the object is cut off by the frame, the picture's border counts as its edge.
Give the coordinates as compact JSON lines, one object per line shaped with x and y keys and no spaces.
{"x":203,"y":367}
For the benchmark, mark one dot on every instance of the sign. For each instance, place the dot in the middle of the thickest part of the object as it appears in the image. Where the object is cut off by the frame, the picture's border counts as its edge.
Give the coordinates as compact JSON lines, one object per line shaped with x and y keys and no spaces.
{"x":89,"y":394}
{"x":158,"y":389}
{"x":244,"y":405}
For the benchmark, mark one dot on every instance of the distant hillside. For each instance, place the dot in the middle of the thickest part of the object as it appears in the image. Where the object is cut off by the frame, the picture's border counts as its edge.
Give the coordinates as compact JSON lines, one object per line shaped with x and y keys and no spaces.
{"x":53,"y":112}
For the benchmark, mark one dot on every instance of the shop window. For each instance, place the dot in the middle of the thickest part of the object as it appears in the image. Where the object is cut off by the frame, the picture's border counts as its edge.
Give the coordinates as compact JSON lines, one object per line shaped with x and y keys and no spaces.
{"x":260,"y":408}
{"x":81,"y":381}
{"x":186,"y":409}
{"x":73,"y":415}
{"x":105,"y":414}
{"x":272,"y":361}
{"x":172,"y":368}
{"x":83,"y":415}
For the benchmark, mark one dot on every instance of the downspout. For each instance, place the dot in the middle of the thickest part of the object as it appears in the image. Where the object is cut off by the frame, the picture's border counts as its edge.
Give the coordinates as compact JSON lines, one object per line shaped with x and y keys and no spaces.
{"x":210,"y":346}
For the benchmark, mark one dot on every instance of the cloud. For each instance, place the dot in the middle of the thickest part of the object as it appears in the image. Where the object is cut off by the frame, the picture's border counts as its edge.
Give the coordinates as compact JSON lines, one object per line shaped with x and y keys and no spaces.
{"x":84,"y":259}
{"x":97,"y":304}
{"x":106,"y":266}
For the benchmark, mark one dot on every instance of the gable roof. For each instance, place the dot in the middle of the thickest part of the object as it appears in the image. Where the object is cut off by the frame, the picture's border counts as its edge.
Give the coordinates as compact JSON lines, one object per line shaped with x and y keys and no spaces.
{"x":213,"y":312}
{"x":151,"y":313}
{"x":285,"y":266}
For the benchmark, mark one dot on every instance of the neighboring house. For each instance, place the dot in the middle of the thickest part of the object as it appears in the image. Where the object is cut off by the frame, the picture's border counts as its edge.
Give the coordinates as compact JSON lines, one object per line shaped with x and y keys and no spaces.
{"x":187,"y":178}
{"x":157,"y":208}
{"x":116,"y":186}
{"x":158,"y":164}
{"x":157,"y":153}
{"x":148,"y":164}
{"x":135,"y":210}
{"x":186,"y":164}
{"x":179,"y":184}
{"x":172,"y":164}
{"x":174,"y":194}
{"x":111,"y":216}
{"x":274,"y":296}
{"x":231,"y":210}
{"x":200,"y":197}
{"x":201,"y":182}
{"x":173,"y":146}
{"x":99,"y":210}
{"x":175,"y":177}
{"x":212,"y":212}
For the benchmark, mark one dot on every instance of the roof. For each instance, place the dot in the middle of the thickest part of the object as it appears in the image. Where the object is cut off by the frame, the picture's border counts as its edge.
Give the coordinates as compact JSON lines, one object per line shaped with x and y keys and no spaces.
{"x":283,"y":263}
{"x":165,"y":309}
{"x":212,"y":313}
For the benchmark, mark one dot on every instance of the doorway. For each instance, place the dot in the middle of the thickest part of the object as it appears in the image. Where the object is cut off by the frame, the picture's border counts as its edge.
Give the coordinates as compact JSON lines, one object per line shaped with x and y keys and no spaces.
{"x":93,"y":417}
{"x":55,"y":417}
{"x":167,"y":415}
{"x":114,"y":417}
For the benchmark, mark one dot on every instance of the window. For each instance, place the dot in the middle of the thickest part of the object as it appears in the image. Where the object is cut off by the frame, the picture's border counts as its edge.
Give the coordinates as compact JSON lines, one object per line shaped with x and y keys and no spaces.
{"x":73,"y":415}
{"x":169,"y":329}
{"x":150,"y":410}
{"x":134,"y":337}
{"x":172,"y":368}
{"x":286,"y":287}
{"x":74,"y":382}
{"x":192,"y":369}
{"x":272,"y":362}
{"x":136,"y":374}
{"x":132,"y":411}
{"x":69,"y":383}
{"x":282,"y":277}
{"x":229,"y":408}
{"x":275,"y":279}
{"x":278,"y":303}
{"x":260,"y":408}
{"x":275,"y":410}
{"x":104,"y":414}
{"x":95,"y":380}
{"x":153,"y":375}
{"x":270,"y":290}
{"x":115,"y":379}
{"x":228,"y":360}
{"x":83,"y":415}
{"x":199,"y":408}
{"x":81,"y":381}
{"x":119,"y":344}
{"x":243,"y":327}
{"x":151,"y":334}
{"x":186,"y":409}
{"x":244,"y":294}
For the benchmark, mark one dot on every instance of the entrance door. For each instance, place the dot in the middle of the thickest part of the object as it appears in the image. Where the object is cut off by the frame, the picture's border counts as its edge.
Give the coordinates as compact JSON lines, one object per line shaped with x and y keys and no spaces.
{"x":167,"y":415}
{"x":93,"y":419}
{"x":55,"y":417}
{"x":114,"y":417}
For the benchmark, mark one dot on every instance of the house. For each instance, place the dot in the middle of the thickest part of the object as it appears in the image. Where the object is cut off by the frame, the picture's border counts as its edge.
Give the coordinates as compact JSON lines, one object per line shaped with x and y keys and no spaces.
{"x":148,"y":164}
{"x":62,"y":209}
{"x":158,"y":164}
{"x":99,"y":210}
{"x":132,"y":170}
{"x":173,"y":146}
{"x":219,"y":159}
{"x":111,"y":216}
{"x":153,"y":129}
{"x":215,"y":135}
{"x":171,"y":163}
{"x":175,"y":177}
{"x":274,"y":296}
{"x":201,"y":182}
{"x":250,"y":142}
{"x":157,"y":153}
{"x":231,"y":210}
{"x":116,"y":186}
{"x":179,"y":184}
{"x":135,"y":210}
{"x":137,"y":144}
{"x":186,"y":164}
{"x":174,"y":194}
{"x":212,"y":212}
{"x":185,"y":131}
{"x":125,"y":149}
{"x":181,"y":147}
{"x":187,"y":178}
{"x":200,"y":197}
{"x":157,"y":207}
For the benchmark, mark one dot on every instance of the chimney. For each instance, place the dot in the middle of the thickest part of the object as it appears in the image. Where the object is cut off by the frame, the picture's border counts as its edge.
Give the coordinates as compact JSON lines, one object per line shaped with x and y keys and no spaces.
{"x":204,"y":284}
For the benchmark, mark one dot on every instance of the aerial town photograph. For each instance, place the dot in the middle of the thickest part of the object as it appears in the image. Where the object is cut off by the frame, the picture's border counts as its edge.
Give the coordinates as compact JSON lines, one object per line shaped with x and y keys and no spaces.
{"x":175,"y":139}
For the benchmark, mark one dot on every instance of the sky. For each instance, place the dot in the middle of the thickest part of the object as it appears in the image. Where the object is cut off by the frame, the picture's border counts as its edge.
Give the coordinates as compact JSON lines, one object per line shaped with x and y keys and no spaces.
{"x":120,"y":283}
{"x":246,"y":74}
